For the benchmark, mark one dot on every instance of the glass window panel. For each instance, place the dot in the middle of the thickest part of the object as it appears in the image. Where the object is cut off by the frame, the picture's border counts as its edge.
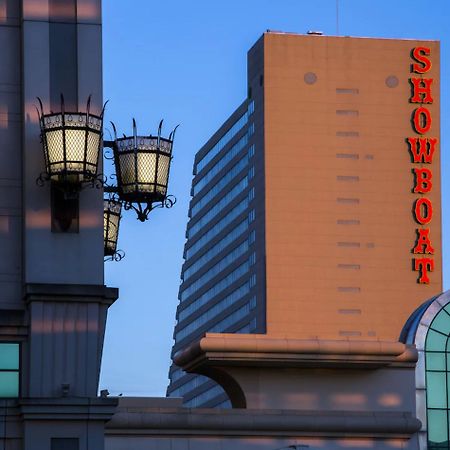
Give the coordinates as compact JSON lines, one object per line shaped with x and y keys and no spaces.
{"x":9,"y":356}
{"x":437,"y":427}
{"x":435,"y":341}
{"x":436,"y":389}
{"x":441,"y":322}
{"x":9,"y":384}
{"x":435,"y":361}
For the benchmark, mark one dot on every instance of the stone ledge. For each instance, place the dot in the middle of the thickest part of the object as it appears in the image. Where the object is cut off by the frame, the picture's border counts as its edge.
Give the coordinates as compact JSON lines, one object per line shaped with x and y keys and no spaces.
{"x":91,"y":293}
{"x":263,"y":350}
{"x":256,"y":422}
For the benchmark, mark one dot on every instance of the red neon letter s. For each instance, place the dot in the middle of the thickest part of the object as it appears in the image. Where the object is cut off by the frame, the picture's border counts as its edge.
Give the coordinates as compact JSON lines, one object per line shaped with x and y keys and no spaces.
{"x":420,"y":55}
{"x":424,"y":265}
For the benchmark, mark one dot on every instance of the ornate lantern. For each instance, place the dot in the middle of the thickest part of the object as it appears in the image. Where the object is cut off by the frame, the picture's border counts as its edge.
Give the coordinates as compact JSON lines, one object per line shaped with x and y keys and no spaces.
{"x":111,"y":220}
{"x":142,"y":168}
{"x":71,"y":142}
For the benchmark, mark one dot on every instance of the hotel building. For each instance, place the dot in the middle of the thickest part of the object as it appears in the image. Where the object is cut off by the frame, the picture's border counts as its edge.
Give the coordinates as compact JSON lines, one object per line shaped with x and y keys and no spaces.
{"x":309,"y":210}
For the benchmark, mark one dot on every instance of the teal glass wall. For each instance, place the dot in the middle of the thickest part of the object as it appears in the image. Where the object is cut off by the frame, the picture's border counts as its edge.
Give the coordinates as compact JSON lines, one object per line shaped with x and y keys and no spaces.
{"x":437,"y":365}
{"x":9,"y":370}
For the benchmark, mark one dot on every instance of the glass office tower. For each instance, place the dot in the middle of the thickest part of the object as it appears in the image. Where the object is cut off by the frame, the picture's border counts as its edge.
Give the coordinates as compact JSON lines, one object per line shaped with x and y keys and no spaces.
{"x":218,"y":289}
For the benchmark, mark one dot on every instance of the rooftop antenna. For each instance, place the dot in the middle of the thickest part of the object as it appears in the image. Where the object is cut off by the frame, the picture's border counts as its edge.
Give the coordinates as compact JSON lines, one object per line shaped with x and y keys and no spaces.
{"x":337,"y":17}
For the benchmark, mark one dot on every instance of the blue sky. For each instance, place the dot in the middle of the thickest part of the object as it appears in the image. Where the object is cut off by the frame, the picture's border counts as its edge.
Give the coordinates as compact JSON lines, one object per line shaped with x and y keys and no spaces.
{"x":186,"y":62}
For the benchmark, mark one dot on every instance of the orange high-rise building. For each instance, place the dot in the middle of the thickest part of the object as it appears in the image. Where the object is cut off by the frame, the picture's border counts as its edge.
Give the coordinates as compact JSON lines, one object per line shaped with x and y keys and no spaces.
{"x":314,"y":213}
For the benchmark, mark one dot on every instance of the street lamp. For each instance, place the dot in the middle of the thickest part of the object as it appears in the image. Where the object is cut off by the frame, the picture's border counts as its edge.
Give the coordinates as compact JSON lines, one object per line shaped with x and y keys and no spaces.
{"x":142,"y":166}
{"x":112,"y":208}
{"x":71,"y":143}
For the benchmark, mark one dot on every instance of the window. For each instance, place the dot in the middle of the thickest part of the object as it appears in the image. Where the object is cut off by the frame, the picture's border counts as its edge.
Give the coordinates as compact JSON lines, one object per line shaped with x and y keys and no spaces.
{"x":215,"y":270}
{"x":232,"y":131}
{"x":437,"y":367}
{"x":229,"y":300}
{"x":9,"y":370}
{"x":218,"y":207}
{"x":229,"y":155}
{"x":216,"y":249}
{"x":226,"y":179}
{"x":217,"y":228}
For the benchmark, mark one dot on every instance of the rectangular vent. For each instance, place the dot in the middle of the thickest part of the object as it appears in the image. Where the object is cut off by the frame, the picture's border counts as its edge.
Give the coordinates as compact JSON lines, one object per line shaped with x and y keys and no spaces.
{"x":347,"y":112}
{"x":349,"y":266}
{"x":347,"y":155}
{"x":348,"y":244}
{"x":349,"y":311}
{"x":350,"y":333}
{"x":347,"y":91}
{"x":347,"y":133}
{"x":369,"y":157}
{"x":348,"y":222}
{"x":350,"y":178}
{"x":349,"y":289}
{"x":348,"y":201}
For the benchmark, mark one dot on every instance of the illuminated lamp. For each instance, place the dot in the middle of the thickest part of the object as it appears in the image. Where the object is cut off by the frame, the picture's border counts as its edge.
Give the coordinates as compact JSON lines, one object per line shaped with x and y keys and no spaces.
{"x":71,"y":142}
{"x":142,"y":166}
{"x":112,"y":208}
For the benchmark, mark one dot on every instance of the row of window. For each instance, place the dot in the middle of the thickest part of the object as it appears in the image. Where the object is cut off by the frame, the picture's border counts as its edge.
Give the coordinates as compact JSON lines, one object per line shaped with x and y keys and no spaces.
{"x":218,"y":207}
{"x":216,"y":168}
{"x":225,"y":282}
{"x":230,"y":320}
{"x":193,"y":383}
{"x":235,"y":296}
{"x":215,"y":270}
{"x":217,"y":228}
{"x":212,"y":312}
{"x":214,"y":251}
{"x":233,"y":172}
{"x":232,"y":131}
{"x":204,"y":397}
{"x":249,"y":328}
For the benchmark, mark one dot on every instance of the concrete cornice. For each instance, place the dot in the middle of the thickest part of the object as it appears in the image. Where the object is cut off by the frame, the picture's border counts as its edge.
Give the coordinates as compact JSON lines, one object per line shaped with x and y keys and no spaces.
{"x":90,"y":293}
{"x":263,"y":350}
{"x":159,"y":421}
{"x":67,"y":408}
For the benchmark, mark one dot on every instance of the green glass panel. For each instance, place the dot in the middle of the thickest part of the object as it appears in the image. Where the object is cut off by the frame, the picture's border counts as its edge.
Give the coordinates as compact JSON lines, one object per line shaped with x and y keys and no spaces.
{"x":436,"y":361}
{"x":9,"y":384}
{"x":9,"y":356}
{"x":436,"y":390}
{"x":437,"y":427}
{"x":435,"y":341}
{"x":441,"y":322}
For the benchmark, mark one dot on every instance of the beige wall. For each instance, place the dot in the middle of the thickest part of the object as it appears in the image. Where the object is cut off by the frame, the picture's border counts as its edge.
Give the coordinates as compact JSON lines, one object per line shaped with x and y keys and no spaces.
{"x":338,"y":174}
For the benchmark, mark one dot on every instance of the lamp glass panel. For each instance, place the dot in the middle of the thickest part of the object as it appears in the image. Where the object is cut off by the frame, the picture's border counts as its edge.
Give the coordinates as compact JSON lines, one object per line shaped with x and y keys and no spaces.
{"x":55,"y":149}
{"x":146,"y":171}
{"x":75,"y":145}
{"x":163,"y":173}
{"x":92,"y":148}
{"x":127,"y":172}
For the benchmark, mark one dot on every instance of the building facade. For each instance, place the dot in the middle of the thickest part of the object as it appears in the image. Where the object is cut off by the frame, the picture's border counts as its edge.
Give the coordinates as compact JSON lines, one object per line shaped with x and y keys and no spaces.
{"x":315,"y":208}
